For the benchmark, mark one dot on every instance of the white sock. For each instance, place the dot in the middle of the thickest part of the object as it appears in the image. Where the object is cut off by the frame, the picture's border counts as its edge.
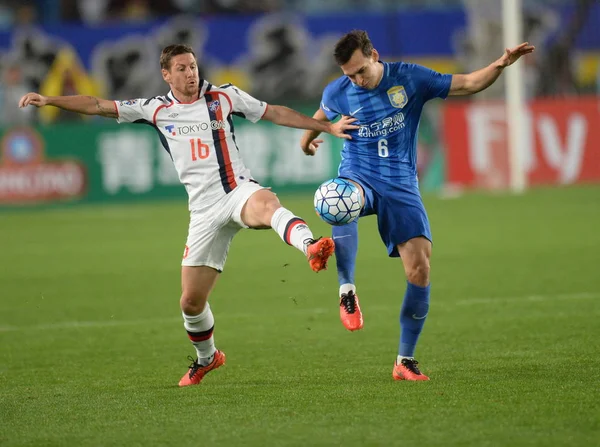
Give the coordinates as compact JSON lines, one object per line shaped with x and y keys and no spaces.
{"x":291,"y":229}
{"x":345,"y":288}
{"x":400,"y":357}
{"x":200,"y":332}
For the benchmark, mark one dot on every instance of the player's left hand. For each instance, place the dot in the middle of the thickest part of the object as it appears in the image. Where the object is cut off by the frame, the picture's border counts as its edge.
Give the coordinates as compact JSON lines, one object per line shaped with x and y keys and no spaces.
{"x":339,"y":129}
{"x":511,"y":55}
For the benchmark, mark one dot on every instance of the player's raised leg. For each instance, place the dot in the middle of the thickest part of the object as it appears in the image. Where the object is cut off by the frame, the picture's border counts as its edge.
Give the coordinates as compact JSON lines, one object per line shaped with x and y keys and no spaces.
{"x":416,"y":255}
{"x":263,"y":210}
{"x":346,"y":249}
{"x":197,"y":283}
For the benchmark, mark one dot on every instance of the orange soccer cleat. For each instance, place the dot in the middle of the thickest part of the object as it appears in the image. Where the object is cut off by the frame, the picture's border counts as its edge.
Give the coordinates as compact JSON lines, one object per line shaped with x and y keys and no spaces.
{"x":350,"y":313}
{"x":318,"y":252}
{"x":197,"y":372}
{"x":408,"y":370}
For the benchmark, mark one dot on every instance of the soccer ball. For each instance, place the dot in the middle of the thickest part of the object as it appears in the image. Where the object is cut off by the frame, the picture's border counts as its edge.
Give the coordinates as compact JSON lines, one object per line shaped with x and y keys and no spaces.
{"x":338,"y":201}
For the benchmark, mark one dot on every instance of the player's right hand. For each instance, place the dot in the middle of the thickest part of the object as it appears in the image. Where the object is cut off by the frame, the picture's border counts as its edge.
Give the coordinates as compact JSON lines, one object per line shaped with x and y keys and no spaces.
{"x":312,"y":147}
{"x":34,"y":99}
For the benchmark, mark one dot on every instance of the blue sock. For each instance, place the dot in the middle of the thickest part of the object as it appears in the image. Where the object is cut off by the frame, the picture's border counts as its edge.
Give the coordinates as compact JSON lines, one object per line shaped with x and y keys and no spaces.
{"x":346,"y":248}
{"x":412,"y":318}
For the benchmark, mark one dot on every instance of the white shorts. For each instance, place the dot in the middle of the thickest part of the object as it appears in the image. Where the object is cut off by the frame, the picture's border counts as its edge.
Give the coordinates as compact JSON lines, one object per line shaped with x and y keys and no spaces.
{"x":211,"y":230}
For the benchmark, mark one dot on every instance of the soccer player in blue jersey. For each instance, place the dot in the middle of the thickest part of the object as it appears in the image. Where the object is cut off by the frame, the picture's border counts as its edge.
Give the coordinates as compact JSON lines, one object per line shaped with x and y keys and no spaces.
{"x":387,"y":99}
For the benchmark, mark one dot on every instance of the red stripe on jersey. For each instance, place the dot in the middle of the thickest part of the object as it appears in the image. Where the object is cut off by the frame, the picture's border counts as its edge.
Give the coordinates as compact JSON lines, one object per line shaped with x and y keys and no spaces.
{"x":265,"y":112}
{"x":224,"y":148}
{"x":156,"y":112}
{"x":116,"y":109}
{"x":228,"y":100}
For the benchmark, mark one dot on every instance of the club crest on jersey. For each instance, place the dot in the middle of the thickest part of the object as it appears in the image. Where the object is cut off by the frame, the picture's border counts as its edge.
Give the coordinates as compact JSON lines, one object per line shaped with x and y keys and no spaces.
{"x":129,"y":102}
{"x":398,"y":97}
{"x":213,"y":106}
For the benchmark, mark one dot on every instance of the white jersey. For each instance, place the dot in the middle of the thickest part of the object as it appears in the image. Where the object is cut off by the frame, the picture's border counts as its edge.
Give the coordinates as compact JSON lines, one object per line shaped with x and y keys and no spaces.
{"x":199,"y":137}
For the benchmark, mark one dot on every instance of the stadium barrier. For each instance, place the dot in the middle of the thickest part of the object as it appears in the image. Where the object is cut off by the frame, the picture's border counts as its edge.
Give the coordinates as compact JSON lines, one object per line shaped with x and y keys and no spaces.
{"x":93,"y":162}
{"x":102,"y":162}
{"x":562,"y":143}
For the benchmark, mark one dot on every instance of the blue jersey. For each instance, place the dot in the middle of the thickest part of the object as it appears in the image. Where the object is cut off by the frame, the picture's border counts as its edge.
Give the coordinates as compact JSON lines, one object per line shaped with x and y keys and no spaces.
{"x":384,"y":148}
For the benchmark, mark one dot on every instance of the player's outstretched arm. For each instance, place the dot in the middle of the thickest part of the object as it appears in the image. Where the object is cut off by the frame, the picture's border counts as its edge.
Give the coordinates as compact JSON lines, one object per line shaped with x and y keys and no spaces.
{"x":285,"y":116}
{"x":88,"y":105}
{"x":308,"y":142}
{"x":468,"y":84}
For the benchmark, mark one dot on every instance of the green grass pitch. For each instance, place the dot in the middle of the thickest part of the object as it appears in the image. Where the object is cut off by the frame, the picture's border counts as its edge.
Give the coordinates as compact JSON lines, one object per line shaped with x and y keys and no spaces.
{"x":92,"y":344}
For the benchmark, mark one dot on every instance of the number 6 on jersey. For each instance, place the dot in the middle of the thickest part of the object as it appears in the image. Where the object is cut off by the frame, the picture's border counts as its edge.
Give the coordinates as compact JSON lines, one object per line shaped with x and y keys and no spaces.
{"x":200,"y":151}
{"x":382,"y":148}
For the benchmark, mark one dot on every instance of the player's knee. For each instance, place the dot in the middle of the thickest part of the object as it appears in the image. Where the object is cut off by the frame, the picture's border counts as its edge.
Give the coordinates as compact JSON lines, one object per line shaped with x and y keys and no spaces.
{"x":418,"y":273}
{"x":192,"y":303}
{"x":270,"y":205}
{"x":259,"y":209}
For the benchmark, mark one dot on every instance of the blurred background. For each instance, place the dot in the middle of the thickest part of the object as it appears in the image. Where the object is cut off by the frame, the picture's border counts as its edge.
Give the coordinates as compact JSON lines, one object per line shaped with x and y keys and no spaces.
{"x":280,"y":51}
{"x":93,"y":224}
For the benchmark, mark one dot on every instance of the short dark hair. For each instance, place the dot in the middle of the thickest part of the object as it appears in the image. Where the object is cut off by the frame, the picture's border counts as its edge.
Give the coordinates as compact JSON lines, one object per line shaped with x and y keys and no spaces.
{"x":349,"y":43}
{"x":174,"y":50}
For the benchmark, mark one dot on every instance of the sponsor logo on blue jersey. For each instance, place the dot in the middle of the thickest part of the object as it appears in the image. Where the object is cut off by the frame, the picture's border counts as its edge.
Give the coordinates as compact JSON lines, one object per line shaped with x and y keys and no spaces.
{"x":383,"y":128}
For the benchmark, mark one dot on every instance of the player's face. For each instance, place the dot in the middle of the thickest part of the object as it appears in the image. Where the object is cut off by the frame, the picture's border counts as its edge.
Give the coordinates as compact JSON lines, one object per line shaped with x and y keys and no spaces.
{"x":364,"y":71}
{"x":183,"y":74}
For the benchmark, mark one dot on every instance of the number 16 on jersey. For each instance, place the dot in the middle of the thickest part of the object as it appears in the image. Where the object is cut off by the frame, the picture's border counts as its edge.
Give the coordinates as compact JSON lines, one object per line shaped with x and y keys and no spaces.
{"x":200,"y":151}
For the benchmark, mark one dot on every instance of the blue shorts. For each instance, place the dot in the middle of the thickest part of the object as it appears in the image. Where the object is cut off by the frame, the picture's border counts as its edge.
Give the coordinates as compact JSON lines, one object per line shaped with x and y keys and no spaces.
{"x":400,"y":212}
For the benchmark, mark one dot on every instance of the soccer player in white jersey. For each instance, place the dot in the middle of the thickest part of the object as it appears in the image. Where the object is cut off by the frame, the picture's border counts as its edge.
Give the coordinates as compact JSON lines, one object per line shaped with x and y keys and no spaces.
{"x":194,"y":124}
